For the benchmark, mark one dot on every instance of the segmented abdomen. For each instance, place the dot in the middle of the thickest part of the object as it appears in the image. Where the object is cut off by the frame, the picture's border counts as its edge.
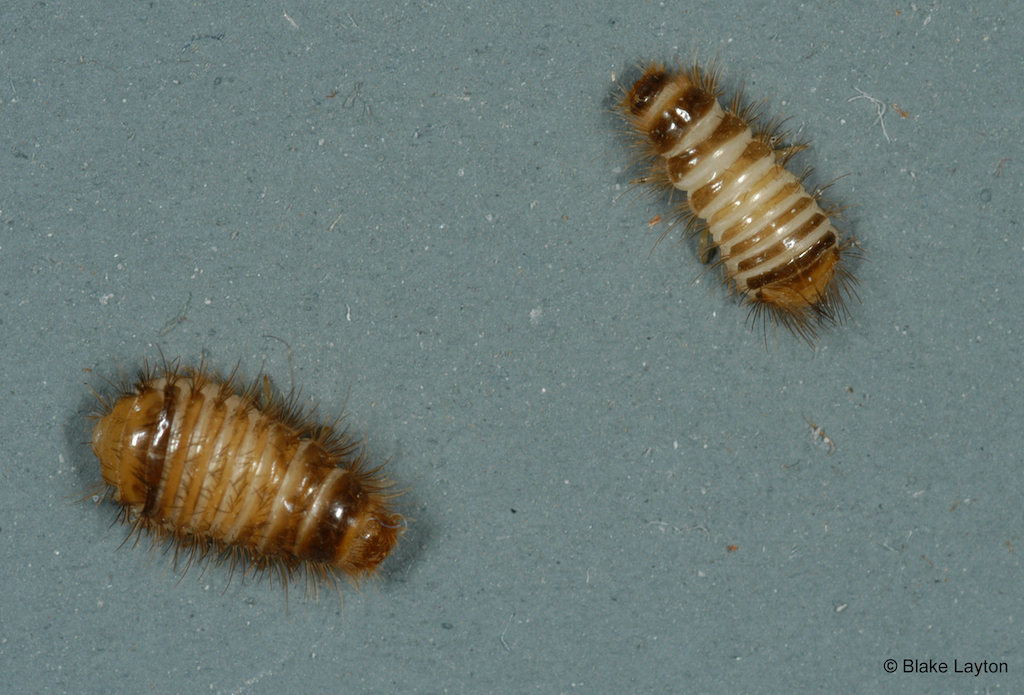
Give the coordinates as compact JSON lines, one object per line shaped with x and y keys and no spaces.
{"x":191,"y":458}
{"x":778,"y":247}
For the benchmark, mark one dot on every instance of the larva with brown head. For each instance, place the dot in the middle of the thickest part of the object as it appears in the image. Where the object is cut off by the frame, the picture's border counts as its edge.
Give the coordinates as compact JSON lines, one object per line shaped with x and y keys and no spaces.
{"x":235,"y":473}
{"x":778,"y":248}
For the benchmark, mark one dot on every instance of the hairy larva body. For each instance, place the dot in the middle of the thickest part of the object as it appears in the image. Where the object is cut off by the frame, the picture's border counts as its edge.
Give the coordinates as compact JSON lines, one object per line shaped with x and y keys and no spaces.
{"x":221,"y":470}
{"x":777,"y":246}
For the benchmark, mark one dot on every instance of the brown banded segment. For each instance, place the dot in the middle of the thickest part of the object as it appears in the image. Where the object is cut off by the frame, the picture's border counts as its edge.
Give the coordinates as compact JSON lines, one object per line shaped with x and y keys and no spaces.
{"x":646,"y":89}
{"x":682,"y":165}
{"x":729,"y":127}
{"x":262,"y":474}
{"x":752,"y":201}
{"x":762,"y":214}
{"x":796,"y":266}
{"x":780,"y":249}
{"x":336,"y":519}
{"x":213,"y":412}
{"x":217,"y":513}
{"x":178,"y":475}
{"x":755,"y":151}
{"x":702,"y":197}
{"x":741,"y":247}
{"x":669,"y":127}
{"x":156,"y":451}
{"x":290,"y":505}
{"x":815,"y":222}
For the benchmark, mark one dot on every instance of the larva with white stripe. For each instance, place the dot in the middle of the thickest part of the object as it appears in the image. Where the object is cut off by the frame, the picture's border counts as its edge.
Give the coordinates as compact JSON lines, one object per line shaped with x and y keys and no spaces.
{"x":235,"y":473}
{"x":779,"y":249}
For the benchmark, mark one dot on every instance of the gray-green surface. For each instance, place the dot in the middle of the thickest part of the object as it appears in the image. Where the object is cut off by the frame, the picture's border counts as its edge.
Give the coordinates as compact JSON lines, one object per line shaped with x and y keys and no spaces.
{"x":429,"y":203}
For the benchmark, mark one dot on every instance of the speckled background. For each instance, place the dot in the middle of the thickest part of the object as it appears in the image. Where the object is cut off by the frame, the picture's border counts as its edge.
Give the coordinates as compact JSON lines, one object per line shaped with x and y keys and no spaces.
{"x":429,"y":203}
